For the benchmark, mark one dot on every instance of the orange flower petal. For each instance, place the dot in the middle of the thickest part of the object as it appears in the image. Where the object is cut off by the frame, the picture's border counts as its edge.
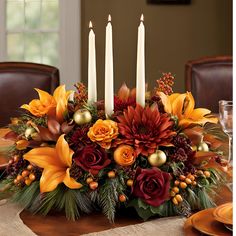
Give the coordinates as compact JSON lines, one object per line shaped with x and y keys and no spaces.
{"x":64,"y":153}
{"x":70,"y":182}
{"x":173,"y":96}
{"x":123,"y":92}
{"x":177,"y":106}
{"x":44,"y":97}
{"x":199,"y":113}
{"x":190,"y":104}
{"x":43,"y":157}
{"x":50,"y":179}
{"x":166,"y":102}
{"x":61,"y":97}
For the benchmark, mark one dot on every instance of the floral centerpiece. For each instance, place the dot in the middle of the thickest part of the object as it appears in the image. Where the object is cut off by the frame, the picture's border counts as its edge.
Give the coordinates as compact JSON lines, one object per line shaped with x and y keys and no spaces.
{"x":163,"y":159}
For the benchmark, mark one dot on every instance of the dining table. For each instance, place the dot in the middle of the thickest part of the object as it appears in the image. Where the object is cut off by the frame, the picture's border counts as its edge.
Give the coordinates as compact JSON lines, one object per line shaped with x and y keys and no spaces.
{"x":17,"y":221}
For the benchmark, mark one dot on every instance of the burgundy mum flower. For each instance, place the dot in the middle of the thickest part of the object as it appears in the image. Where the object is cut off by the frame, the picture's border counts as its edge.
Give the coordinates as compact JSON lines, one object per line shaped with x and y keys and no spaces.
{"x":145,"y":129}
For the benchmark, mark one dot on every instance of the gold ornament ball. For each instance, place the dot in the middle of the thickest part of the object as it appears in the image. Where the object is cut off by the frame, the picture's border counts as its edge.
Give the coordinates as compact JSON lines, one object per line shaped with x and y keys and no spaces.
{"x":29,"y":131}
{"x":203,"y":147}
{"x":157,"y":159}
{"x":82,"y":117}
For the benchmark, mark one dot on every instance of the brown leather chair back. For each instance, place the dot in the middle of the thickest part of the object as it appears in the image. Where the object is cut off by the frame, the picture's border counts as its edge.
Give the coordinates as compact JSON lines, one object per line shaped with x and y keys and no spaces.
{"x":17,"y":83}
{"x":210,"y":80}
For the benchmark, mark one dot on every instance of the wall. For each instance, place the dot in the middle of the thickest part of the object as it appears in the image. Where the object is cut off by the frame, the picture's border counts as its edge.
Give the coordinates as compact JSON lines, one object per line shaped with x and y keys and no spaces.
{"x":174,"y":35}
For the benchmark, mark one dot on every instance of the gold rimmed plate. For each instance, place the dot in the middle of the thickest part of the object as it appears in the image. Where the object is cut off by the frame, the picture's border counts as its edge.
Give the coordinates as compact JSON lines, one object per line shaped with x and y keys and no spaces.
{"x":205,"y":222}
{"x":224,"y":213}
{"x":189,"y":230}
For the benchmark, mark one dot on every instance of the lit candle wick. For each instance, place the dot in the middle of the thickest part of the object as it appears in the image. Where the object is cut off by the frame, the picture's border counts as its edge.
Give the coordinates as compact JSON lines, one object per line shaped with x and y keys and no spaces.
{"x":142,"y":18}
{"x":109,"y":17}
{"x":90,"y":25}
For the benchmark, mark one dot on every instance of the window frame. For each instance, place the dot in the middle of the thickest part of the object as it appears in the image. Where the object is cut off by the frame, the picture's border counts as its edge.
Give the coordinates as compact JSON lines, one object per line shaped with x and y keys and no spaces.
{"x":69,"y":40}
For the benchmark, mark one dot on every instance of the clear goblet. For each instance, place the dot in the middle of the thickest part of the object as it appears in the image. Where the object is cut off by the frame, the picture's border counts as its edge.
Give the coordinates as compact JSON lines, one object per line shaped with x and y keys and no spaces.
{"x":226,"y":121}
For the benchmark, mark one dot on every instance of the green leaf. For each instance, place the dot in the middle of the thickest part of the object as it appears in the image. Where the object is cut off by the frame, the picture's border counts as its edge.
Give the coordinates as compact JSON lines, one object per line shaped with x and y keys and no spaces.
{"x":159,"y":210}
{"x":145,"y":214}
{"x":142,"y":204}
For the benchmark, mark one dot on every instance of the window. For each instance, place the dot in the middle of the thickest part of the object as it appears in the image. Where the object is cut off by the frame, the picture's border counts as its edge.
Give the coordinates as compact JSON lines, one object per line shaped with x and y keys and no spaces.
{"x":42,"y":31}
{"x":33,"y":31}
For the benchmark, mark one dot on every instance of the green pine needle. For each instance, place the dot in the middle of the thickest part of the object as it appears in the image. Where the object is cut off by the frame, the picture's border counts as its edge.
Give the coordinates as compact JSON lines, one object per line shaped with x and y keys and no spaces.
{"x":108,"y":197}
{"x":27,"y":195}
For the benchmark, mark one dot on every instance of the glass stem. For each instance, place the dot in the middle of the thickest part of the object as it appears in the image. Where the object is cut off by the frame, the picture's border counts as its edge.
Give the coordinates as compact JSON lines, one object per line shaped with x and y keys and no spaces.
{"x":230,"y":148}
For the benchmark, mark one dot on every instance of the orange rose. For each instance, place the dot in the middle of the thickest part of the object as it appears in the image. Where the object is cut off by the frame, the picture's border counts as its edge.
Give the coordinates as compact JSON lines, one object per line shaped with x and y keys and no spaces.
{"x":103,"y":132}
{"x":124,"y":155}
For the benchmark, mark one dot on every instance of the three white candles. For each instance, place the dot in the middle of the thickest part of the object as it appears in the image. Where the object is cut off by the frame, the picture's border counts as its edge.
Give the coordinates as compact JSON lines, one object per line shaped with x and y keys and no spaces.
{"x":109,"y":73}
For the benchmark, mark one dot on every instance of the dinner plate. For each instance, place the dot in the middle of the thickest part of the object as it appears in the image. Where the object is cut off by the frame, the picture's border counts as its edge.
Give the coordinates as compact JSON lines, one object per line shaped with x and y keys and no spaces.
{"x":224,"y":213}
{"x":205,"y":222}
{"x":229,"y":227}
{"x":188,"y":228}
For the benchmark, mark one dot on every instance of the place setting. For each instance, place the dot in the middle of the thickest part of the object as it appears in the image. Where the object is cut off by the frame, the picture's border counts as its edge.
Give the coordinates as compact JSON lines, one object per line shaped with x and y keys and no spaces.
{"x":212,"y":221}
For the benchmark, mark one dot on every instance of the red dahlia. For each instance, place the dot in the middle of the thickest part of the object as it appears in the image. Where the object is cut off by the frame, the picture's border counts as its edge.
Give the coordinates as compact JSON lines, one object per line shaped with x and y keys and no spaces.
{"x":145,"y":129}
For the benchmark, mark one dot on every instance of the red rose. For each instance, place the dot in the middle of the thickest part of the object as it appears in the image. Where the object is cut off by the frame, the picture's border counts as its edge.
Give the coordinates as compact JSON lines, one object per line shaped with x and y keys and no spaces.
{"x":152,"y":186}
{"x":92,"y":158}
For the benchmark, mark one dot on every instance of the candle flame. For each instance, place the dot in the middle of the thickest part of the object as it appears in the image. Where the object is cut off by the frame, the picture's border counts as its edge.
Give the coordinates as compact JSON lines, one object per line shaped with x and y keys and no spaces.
{"x":109,"y":17}
{"x":142,"y":18}
{"x":90,"y":24}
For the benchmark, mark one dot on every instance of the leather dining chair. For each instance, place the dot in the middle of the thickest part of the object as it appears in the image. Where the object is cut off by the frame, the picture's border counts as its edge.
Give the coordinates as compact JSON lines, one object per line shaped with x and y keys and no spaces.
{"x":210,"y":80}
{"x":17,"y":83}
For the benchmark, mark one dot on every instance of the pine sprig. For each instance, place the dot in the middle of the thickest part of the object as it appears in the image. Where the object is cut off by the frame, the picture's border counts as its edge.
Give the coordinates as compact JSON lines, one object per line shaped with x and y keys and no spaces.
{"x":27,"y":195}
{"x":108,"y":198}
{"x":72,"y":201}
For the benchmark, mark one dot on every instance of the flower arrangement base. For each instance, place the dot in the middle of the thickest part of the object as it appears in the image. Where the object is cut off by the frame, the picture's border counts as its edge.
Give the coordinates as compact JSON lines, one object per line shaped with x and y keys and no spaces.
{"x":56,"y":224}
{"x":162,"y":159}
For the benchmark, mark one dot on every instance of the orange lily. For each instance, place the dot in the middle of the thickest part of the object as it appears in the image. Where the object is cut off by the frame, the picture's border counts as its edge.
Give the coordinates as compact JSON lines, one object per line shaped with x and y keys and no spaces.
{"x":61,"y":97}
{"x":182,"y":106}
{"x":56,"y":163}
{"x":48,"y":104}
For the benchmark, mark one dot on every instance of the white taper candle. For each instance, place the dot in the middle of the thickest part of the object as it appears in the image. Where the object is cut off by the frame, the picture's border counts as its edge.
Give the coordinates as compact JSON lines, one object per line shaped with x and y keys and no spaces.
{"x":140,"y":70}
{"x":109,"y":87}
{"x":92,"y":76}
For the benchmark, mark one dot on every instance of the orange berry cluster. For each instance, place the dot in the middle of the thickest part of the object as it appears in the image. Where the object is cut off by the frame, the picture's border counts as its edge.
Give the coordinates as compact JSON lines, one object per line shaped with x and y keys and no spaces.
{"x":26,"y":177}
{"x":111,"y":175}
{"x":183,"y":182}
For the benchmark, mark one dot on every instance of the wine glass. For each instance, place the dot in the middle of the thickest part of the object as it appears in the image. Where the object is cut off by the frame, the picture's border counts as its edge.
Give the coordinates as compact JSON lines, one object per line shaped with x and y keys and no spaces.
{"x":226,"y":121}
